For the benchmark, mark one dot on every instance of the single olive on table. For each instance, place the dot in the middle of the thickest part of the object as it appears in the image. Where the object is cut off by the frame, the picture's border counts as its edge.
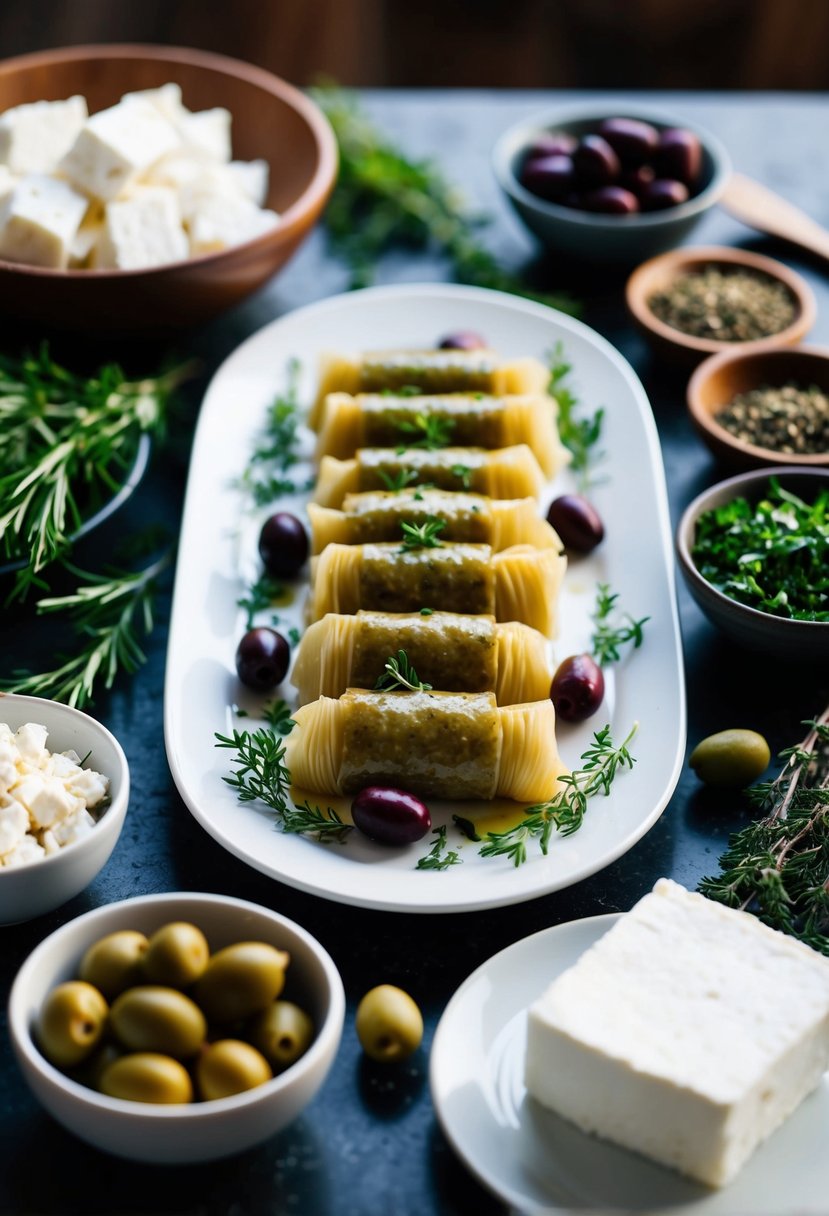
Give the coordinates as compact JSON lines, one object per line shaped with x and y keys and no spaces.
{"x":389,"y":1024}
{"x":730,"y":758}
{"x":577,"y":522}
{"x":623,"y":167}
{"x":262,"y":659}
{"x":577,"y":688}
{"x":390,"y":816}
{"x":283,"y":545}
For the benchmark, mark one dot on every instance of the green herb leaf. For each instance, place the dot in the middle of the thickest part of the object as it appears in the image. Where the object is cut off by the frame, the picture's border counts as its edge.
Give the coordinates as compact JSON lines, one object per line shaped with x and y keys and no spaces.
{"x":399,"y":673}
{"x":608,"y":636}
{"x":431,"y":430}
{"x":579,"y":435}
{"x":259,"y":596}
{"x":437,"y":858}
{"x":394,"y":482}
{"x":464,"y":473}
{"x":422,"y":536}
{"x":278,"y":716}
{"x":277,"y":448}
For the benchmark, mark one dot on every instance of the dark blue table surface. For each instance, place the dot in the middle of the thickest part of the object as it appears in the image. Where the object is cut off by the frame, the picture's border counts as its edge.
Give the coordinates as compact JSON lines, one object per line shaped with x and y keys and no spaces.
{"x":370,"y":1142}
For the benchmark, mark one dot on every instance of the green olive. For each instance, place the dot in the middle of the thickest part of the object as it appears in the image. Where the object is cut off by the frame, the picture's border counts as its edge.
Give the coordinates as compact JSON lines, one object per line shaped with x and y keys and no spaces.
{"x":71,"y":1022}
{"x":389,"y":1024}
{"x":241,"y":980}
{"x":230,"y":1066}
{"x":282,"y":1032}
{"x":155,"y":1019}
{"x":93,"y":1069}
{"x":177,"y":955}
{"x":113,"y":964}
{"x":730,"y":758}
{"x":147,"y":1077}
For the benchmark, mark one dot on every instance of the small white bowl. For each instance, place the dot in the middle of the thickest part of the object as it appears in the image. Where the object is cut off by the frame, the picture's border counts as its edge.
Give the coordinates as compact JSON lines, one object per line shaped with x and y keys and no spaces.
{"x":30,"y":890}
{"x":202,"y":1131}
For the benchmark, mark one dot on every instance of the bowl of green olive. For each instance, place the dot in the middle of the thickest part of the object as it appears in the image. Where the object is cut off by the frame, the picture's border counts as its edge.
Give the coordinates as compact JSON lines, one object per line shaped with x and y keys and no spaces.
{"x":176,"y":1028}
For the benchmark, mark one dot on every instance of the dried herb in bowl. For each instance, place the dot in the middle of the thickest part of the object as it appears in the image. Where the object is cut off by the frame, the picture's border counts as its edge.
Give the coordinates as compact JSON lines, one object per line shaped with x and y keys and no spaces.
{"x":788,"y":419}
{"x":725,"y":305}
{"x":772,"y":555}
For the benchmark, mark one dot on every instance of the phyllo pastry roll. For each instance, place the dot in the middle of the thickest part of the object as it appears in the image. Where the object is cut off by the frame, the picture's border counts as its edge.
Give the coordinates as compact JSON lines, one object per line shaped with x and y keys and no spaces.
{"x":504,"y":473}
{"x":448,"y":650}
{"x":377,"y":515}
{"x":457,"y":420}
{"x":436,"y":744}
{"x":428,"y":371}
{"x":519,"y":584}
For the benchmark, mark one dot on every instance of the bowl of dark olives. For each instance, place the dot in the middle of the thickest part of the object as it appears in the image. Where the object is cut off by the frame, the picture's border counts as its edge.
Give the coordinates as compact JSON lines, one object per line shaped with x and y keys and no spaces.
{"x":610,"y":187}
{"x":176,"y":1028}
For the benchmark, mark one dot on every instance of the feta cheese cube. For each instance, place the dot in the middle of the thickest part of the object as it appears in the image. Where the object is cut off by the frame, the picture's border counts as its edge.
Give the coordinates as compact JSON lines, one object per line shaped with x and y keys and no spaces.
{"x":207,"y":131}
{"x":48,"y":842}
{"x":252,"y":179}
{"x":89,"y":786}
{"x":84,"y":241}
{"x":8,"y":776}
{"x":46,"y":799}
{"x":38,"y":221}
{"x":8,"y":181}
{"x":31,"y":742}
{"x":116,"y":145}
{"x":221,"y":220}
{"x":77,"y":825}
{"x":14,"y":824}
{"x":166,"y":99}
{"x":27,"y":850}
{"x":143,"y":230}
{"x":34,"y":137}
{"x":688,"y":1033}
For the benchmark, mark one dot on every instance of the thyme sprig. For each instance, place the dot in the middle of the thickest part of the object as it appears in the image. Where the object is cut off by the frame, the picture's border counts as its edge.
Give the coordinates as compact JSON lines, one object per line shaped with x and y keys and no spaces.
{"x":438,"y":858}
{"x":108,"y":614}
{"x":394,"y":482}
{"x":278,"y":716}
{"x":260,"y":595}
{"x":580,"y":436}
{"x":422,"y":536}
{"x":277,"y":448}
{"x":384,"y":201}
{"x":778,"y":866}
{"x":399,"y":673}
{"x":565,"y":811}
{"x":430,"y":431}
{"x":609,"y":636}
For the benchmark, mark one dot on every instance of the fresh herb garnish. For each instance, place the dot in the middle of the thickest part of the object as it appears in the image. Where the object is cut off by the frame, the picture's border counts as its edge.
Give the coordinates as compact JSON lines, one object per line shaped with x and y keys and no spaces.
{"x":579,"y":435}
{"x":399,"y":673}
{"x":277,"y":449}
{"x":432,"y":430}
{"x":259,"y":596}
{"x":426,"y":611}
{"x":278,"y":716}
{"x":107,"y":614}
{"x":437,"y":858}
{"x":772,"y":555}
{"x":777,"y":866}
{"x":394,"y":482}
{"x":422,"y":536}
{"x":383,"y":201}
{"x":294,"y":635}
{"x":324,"y":823}
{"x":608,"y":636}
{"x":565,"y":811}
{"x":404,"y":390}
{"x":466,"y":826}
{"x":464,"y":473}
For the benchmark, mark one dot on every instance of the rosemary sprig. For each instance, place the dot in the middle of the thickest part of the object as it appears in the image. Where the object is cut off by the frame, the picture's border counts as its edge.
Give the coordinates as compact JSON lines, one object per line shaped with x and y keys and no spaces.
{"x":399,"y":673}
{"x":778,"y":866}
{"x":325,"y":824}
{"x":383,"y":201}
{"x":277,"y":449}
{"x":259,"y":596}
{"x":608,"y":637}
{"x":431,"y":431}
{"x":394,"y":482}
{"x":422,"y":536}
{"x":437,"y":858}
{"x":107,"y":614}
{"x":565,"y":811}
{"x":579,"y":435}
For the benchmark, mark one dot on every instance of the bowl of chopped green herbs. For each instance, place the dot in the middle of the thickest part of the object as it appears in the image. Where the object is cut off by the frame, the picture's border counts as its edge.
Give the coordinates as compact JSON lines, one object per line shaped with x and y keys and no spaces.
{"x":754,"y":552}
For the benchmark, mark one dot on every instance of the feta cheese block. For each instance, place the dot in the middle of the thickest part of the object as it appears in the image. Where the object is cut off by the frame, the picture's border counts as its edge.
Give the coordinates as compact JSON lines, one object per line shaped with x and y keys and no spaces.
{"x":116,"y":145}
{"x":217,"y":221}
{"x":141,"y":231}
{"x":39,"y":220}
{"x":688,"y":1033}
{"x":34,"y":137}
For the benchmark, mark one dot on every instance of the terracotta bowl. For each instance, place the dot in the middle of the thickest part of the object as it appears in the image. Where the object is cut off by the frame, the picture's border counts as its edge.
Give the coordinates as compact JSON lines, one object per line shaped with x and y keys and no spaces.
{"x":722,"y":377}
{"x":271,"y":120}
{"x":658,"y":274}
{"x":748,"y":627}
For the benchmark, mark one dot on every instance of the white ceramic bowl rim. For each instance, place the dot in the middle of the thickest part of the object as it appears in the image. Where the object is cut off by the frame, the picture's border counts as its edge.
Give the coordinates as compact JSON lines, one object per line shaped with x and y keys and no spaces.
{"x":198,"y":1111}
{"x":740,"y":483}
{"x":520,"y":133}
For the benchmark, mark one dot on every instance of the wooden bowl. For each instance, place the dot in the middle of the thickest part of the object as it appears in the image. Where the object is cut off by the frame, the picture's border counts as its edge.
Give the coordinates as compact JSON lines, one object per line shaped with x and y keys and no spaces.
{"x":271,"y":120}
{"x":658,"y":273}
{"x":719,"y":379}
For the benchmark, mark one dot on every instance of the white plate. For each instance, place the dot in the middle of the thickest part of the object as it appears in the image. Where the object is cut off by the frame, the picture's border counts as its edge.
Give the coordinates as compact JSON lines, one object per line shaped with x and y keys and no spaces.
{"x":539,"y":1163}
{"x":217,"y":554}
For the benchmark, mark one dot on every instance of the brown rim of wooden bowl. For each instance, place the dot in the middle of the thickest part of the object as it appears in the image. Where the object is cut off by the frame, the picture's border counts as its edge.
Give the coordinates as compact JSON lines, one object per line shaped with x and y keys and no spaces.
{"x":721,"y":377}
{"x":659,"y":271}
{"x":291,"y":220}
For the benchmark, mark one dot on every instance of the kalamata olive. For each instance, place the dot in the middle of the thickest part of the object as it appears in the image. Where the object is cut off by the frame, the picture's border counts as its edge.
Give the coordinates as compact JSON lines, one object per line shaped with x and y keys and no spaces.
{"x":637,"y":179}
{"x":611,"y":200}
{"x":633,"y":141}
{"x":577,"y":522}
{"x":71,"y":1023}
{"x":282,"y":1032}
{"x":462,"y":339}
{"x":283,"y":545}
{"x":262,"y":659}
{"x":241,"y":980}
{"x":147,"y":1077}
{"x":228,"y":1067}
{"x":730,"y":758}
{"x":595,"y":162}
{"x":390,"y":816}
{"x":157,"y":1019}
{"x":679,"y":155}
{"x":113,"y":963}
{"x":662,"y":193}
{"x":551,"y":143}
{"x":177,"y":955}
{"x":389,"y":1024}
{"x":549,"y":177}
{"x":577,"y":688}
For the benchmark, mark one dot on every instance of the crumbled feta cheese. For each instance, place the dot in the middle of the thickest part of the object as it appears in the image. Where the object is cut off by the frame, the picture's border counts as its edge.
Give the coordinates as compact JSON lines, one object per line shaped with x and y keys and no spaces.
{"x":207,"y":131}
{"x":31,"y":741}
{"x":14,"y":824}
{"x":27,"y":850}
{"x":252,"y":178}
{"x":219,"y":221}
{"x":116,"y":145}
{"x":38,"y":221}
{"x":80,"y":823}
{"x":34,"y":137}
{"x":142,"y":230}
{"x":87,"y":785}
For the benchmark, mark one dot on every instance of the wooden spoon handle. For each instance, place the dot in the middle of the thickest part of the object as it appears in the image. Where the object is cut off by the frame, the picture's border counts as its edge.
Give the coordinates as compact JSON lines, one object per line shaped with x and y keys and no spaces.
{"x":762,"y":208}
